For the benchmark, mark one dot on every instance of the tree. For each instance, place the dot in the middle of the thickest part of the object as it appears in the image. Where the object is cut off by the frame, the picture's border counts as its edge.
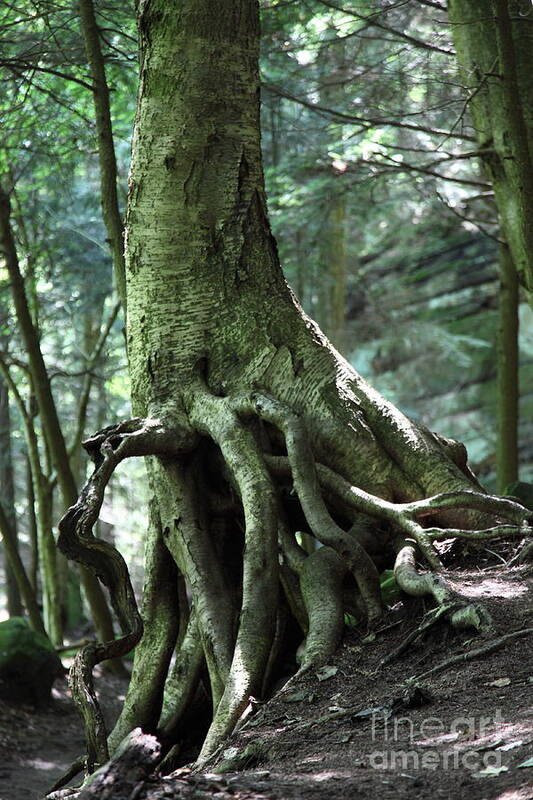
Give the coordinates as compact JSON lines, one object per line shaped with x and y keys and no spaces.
{"x":55,"y":441}
{"x":493,"y":40}
{"x":38,"y":241}
{"x":256,"y":427}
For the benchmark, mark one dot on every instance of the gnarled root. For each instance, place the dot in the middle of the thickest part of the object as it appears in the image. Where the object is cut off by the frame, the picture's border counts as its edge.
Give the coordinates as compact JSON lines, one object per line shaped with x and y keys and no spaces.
{"x":260,"y":561}
{"x":450,"y":605}
{"x":107,"y":449}
{"x":306,"y":484}
{"x":417,"y":584}
{"x":235,"y":479}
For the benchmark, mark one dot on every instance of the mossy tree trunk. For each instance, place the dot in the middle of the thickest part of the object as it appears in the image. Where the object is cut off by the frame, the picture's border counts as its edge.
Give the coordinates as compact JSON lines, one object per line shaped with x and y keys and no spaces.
{"x":494,"y":44}
{"x":256,"y":426}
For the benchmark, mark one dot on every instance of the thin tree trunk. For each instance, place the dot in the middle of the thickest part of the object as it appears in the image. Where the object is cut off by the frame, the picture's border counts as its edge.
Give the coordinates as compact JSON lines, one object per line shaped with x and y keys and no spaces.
{"x":521,"y":161}
{"x":335,"y":234}
{"x":507,"y":373}
{"x":32,"y":526}
{"x":7,"y":500}
{"x":338,"y":268}
{"x":48,"y":554}
{"x":48,"y":411}
{"x":106,"y":148}
{"x":495,"y":54}
{"x":17,"y":567}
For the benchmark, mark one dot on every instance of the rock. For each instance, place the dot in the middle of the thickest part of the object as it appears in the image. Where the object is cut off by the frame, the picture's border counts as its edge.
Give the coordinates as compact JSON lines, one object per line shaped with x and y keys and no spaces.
{"x":29,"y":664}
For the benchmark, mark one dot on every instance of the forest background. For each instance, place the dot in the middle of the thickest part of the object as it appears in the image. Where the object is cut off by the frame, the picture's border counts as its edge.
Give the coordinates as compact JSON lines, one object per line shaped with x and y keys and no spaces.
{"x":386,"y":224}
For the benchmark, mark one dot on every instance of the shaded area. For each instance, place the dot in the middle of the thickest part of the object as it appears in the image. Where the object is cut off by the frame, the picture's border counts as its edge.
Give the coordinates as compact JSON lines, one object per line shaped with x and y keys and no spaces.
{"x":38,"y":746}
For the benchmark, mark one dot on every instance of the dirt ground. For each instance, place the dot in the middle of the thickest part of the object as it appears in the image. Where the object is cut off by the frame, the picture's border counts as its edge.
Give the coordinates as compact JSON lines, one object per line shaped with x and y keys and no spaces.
{"x":38,"y":746}
{"x":352,"y":730}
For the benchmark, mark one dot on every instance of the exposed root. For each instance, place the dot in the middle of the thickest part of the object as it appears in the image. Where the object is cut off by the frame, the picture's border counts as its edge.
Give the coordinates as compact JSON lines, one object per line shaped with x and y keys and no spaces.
{"x":484,"y":534}
{"x":475,"y":501}
{"x":75,"y":768}
{"x":524,"y":555}
{"x":321,"y":581}
{"x":432,"y":617}
{"x":490,"y":647}
{"x":161,"y":618}
{"x":108,"y":448}
{"x":417,"y":584}
{"x":187,"y":539}
{"x":291,"y":588}
{"x":403,"y":516}
{"x":361,"y":502}
{"x":320,"y":600}
{"x":307,"y":487}
{"x":237,"y":621}
{"x":216,"y":417}
{"x":182,"y":681}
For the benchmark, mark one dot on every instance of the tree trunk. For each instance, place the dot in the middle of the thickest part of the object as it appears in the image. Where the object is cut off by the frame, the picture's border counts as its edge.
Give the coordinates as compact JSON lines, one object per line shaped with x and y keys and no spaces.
{"x":32,"y":525}
{"x":7,"y":499}
{"x":338,"y":268}
{"x":494,"y":44}
{"x":259,"y":428}
{"x":47,"y":408}
{"x":106,"y":148}
{"x":18,"y":571}
{"x":507,"y":378}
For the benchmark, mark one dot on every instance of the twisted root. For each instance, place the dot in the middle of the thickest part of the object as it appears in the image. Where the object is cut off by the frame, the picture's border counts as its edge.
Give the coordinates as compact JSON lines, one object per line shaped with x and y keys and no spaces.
{"x":233,"y":625}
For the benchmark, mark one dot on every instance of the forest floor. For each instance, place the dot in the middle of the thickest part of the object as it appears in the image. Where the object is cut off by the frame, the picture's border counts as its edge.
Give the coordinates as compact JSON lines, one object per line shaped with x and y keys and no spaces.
{"x":37,"y":746}
{"x":348,"y":731}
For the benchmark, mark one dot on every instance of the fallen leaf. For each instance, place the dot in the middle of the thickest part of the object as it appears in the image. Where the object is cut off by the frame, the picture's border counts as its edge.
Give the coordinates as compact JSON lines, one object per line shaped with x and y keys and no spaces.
{"x":499,"y":682}
{"x":528,"y":763}
{"x":490,"y":772}
{"x":510,"y":745}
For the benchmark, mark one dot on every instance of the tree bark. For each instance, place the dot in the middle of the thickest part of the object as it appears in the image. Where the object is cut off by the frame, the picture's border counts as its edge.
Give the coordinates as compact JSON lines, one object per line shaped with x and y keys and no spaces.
{"x":508,"y":390}
{"x":106,"y":148}
{"x":32,"y":525}
{"x":494,"y":44}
